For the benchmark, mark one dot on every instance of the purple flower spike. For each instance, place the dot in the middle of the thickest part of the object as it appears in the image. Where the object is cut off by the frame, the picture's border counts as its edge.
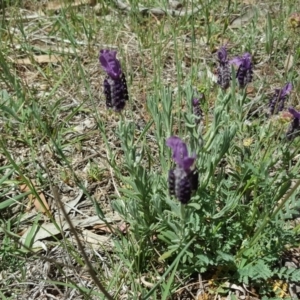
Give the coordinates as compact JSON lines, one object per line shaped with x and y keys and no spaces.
{"x":110,"y":63}
{"x":197,"y":111}
{"x":245,"y":69}
{"x":294,"y":128}
{"x":183,"y":180}
{"x":276,"y":103}
{"x":223,"y":70}
{"x":115,"y":85}
{"x":195,"y":102}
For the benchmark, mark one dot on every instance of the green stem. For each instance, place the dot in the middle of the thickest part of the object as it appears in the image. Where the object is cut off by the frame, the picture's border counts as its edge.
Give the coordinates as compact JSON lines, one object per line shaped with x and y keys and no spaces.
{"x":286,"y":197}
{"x":182,"y":207}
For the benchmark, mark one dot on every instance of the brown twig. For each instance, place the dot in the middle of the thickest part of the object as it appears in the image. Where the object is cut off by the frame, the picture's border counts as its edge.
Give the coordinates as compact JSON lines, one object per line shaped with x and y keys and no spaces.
{"x":158,"y":11}
{"x":80,"y":246}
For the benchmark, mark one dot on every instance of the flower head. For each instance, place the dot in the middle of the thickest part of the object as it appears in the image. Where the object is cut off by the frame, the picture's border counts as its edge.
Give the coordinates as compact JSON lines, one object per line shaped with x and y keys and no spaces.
{"x":195,"y":102}
{"x":115,"y":85}
{"x":223,"y":70}
{"x":276,"y":103}
{"x":294,"y":113}
{"x":183,"y":180}
{"x":245,"y":69}
{"x":197,"y":111}
{"x":222,"y":55}
{"x":294,"y":128}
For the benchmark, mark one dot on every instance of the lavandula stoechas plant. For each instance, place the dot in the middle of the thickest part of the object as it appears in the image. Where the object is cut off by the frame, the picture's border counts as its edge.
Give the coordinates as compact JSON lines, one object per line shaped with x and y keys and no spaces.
{"x":223,"y":69}
{"x":183,"y":179}
{"x":294,"y":128}
{"x":245,"y":69}
{"x":115,"y":86}
{"x":276,"y":103}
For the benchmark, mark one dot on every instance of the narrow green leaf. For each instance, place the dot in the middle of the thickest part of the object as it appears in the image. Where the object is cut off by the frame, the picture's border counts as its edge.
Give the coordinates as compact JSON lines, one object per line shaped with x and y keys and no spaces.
{"x":166,"y":294}
{"x":7,"y":203}
{"x":167,"y":254}
{"x":30,"y":236}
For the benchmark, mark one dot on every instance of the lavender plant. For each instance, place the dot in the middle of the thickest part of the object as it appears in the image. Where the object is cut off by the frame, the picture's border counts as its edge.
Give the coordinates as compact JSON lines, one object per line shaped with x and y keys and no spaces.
{"x":115,"y":85}
{"x":224,"y":217}
{"x":237,"y":218}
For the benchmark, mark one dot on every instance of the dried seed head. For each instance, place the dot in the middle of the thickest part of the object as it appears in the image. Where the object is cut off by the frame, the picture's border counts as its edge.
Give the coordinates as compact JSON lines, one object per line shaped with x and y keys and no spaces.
{"x":223,"y":70}
{"x":224,"y":76}
{"x":276,"y":103}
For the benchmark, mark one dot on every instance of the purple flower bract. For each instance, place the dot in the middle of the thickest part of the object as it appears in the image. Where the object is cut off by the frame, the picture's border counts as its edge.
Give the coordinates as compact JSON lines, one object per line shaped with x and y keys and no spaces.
{"x":110,"y":63}
{"x":180,"y":153}
{"x":245,"y":69}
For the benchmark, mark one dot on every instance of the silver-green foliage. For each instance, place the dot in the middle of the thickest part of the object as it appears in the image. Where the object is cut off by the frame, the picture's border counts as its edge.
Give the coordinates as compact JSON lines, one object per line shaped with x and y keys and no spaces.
{"x":239,"y":216}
